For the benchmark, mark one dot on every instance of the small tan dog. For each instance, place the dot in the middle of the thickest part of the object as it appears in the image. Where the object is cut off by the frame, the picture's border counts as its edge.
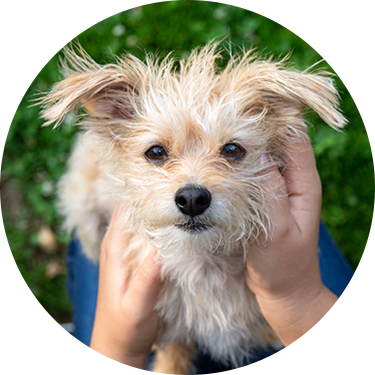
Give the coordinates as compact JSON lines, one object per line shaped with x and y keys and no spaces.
{"x":181,"y":143}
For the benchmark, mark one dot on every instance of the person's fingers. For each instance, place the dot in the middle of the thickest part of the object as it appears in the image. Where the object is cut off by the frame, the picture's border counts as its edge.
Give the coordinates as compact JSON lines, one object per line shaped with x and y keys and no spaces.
{"x":146,"y":284}
{"x":113,"y":276}
{"x":276,"y":194}
{"x":303,"y":184}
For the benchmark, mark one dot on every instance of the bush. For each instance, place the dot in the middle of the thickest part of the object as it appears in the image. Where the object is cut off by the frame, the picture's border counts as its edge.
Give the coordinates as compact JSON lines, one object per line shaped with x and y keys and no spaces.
{"x":33,"y":158}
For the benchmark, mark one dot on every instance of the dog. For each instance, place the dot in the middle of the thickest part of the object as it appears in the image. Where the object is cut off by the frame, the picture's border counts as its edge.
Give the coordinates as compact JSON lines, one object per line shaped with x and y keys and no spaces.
{"x":181,"y":142}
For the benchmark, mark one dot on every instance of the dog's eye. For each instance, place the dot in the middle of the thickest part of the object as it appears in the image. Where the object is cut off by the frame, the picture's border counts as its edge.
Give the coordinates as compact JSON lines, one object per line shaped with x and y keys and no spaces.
{"x":232,"y":151}
{"x":156,"y":154}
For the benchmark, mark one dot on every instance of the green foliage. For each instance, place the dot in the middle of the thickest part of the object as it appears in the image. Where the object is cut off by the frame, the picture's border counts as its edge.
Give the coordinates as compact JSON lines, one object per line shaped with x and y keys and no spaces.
{"x":26,"y":294}
{"x":35,"y":157}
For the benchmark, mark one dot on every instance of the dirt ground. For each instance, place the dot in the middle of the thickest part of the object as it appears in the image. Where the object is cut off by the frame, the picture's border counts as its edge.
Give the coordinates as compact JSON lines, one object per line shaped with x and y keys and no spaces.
{"x":38,"y":355}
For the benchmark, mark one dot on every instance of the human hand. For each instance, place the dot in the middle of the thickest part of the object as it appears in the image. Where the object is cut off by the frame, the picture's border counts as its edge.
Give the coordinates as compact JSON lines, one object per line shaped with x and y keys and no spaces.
{"x":126,"y":324}
{"x":320,"y":333}
{"x":283,"y":271}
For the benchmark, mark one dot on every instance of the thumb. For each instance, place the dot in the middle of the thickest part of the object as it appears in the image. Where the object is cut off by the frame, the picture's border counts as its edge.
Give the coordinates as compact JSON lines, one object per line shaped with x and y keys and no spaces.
{"x":275,"y":193}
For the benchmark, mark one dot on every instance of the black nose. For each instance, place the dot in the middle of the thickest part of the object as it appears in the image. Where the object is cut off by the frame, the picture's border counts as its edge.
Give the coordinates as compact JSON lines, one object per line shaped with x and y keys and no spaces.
{"x":193,"y":201}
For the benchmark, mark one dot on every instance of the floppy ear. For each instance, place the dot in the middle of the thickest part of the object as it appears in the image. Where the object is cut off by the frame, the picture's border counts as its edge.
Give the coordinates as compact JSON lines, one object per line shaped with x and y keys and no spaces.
{"x":283,"y":94}
{"x":109,"y":93}
{"x":293,"y":90}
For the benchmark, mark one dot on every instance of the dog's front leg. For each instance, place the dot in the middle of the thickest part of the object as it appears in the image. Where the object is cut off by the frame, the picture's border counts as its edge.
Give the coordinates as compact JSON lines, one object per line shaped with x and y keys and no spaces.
{"x":174,"y":358}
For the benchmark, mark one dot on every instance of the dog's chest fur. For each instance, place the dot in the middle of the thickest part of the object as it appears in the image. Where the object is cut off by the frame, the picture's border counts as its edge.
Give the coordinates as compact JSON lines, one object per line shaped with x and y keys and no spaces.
{"x":206,"y":301}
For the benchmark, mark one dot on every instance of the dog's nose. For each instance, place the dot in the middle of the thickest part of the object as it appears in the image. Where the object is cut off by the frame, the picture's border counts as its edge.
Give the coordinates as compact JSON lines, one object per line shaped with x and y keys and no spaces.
{"x":193,"y":201}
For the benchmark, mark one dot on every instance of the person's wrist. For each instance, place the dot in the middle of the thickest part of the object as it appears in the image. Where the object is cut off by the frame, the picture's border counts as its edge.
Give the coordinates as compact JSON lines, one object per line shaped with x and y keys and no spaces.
{"x":287,"y":283}
{"x":120,"y":348}
{"x":293,"y":315}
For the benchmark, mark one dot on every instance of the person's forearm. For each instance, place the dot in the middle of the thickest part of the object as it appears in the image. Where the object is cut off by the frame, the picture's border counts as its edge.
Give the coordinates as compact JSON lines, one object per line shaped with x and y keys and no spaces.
{"x":323,"y":337}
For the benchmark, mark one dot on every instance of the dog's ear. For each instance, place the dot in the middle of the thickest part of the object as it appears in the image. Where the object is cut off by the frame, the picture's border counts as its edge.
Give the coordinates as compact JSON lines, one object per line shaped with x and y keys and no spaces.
{"x":282,"y":94}
{"x":109,"y":93}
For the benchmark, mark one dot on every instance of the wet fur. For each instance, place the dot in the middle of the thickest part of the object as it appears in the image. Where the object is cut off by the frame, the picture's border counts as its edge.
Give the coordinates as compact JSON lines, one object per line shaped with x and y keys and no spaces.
{"x":192,"y":108}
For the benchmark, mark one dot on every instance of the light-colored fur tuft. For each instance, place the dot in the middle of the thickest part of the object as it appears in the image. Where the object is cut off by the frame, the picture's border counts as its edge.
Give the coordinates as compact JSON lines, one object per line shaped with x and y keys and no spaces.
{"x":191,"y":108}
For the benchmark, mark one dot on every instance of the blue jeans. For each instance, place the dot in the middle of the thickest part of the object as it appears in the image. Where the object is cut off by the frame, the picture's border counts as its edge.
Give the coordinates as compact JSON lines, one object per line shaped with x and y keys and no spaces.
{"x":83,"y":288}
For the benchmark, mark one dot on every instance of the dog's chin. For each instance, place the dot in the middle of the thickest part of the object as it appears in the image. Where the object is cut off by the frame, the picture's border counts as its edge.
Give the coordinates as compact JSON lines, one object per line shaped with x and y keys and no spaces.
{"x":193,"y":227}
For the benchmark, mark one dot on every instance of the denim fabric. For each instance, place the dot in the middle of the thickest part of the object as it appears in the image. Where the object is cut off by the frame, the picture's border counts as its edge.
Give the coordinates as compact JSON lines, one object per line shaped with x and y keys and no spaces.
{"x":83,"y":288}
{"x":83,"y":291}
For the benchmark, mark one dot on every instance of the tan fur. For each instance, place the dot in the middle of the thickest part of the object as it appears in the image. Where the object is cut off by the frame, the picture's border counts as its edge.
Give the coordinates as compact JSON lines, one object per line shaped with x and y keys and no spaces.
{"x":174,"y":358}
{"x":191,"y":109}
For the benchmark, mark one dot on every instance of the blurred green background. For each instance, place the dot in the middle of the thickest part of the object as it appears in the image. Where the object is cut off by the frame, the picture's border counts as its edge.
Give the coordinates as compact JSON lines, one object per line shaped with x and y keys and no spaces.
{"x":35,"y":157}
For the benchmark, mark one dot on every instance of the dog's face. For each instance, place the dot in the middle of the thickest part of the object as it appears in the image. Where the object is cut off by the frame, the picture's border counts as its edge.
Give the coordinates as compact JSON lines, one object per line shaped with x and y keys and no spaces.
{"x":186,"y":144}
{"x":192,"y":174}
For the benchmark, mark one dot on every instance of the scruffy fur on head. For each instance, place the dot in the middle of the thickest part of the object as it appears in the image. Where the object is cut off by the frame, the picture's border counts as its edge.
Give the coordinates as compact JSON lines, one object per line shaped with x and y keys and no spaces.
{"x":190,"y":109}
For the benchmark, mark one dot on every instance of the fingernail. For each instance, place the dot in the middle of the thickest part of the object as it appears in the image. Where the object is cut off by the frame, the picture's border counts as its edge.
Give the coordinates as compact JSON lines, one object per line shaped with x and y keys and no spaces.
{"x":155,"y":254}
{"x":247,"y":278}
{"x":264,"y":159}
